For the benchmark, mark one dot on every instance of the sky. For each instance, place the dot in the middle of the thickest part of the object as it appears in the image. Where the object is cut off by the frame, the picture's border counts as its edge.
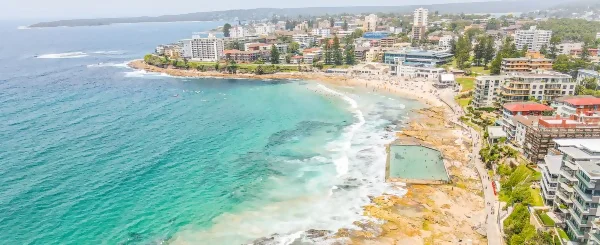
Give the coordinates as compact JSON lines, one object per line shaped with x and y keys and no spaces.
{"x":69,"y":9}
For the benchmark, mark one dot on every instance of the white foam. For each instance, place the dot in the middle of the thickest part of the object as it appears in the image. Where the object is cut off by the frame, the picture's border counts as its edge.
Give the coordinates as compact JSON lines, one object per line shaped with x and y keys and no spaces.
{"x":341,"y":162}
{"x":119,"y":65}
{"x":23,"y":28}
{"x":112,"y":52}
{"x":69,"y":55}
{"x":351,"y":170}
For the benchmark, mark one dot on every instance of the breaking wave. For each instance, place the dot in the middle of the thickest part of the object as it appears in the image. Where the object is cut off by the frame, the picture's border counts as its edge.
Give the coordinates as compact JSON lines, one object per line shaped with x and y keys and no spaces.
{"x":69,"y":55}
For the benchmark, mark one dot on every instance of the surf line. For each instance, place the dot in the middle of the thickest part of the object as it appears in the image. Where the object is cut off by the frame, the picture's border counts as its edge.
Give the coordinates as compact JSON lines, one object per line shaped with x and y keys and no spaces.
{"x":342,"y":162}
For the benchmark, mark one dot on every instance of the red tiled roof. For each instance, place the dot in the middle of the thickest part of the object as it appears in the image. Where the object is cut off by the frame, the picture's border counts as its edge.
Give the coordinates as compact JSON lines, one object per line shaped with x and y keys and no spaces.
{"x":526,"y":106}
{"x":297,"y":57}
{"x":583,"y":101}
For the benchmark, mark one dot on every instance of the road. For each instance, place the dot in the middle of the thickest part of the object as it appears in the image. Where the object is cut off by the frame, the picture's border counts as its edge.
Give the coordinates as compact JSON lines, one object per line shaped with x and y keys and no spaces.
{"x":492,"y":205}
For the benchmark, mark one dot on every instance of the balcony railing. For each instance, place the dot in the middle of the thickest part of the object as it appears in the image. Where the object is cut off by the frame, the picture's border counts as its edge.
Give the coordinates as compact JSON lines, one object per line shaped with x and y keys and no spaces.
{"x":588,"y":184}
{"x":574,"y":229}
{"x":585,"y":196}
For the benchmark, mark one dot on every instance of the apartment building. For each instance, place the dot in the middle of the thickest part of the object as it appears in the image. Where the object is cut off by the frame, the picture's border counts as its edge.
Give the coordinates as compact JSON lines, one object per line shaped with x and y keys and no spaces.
{"x":417,"y":57}
{"x":565,"y":48}
{"x":387,"y":42}
{"x":582,"y":74}
{"x":264,"y":29}
{"x":539,"y":137}
{"x":576,"y":105}
{"x":204,"y":49}
{"x":577,"y":197}
{"x":238,"y":32}
{"x":533,"y":38}
{"x":445,"y":42}
{"x":303,"y":39}
{"x":524,"y":65}
{"x":243,"y":56}
{"x":487,"y":90}
{"x":420,"y":23}
{"x":540,"y":84}
{"x":370,"y":23}
{"x":321,"y":32}
{"x":510,"y":110}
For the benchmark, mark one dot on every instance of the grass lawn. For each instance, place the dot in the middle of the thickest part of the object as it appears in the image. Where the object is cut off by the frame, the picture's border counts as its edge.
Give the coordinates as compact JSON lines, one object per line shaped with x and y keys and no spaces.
{"x":536,"y":197}
{"x":562,"y":234}
{"x":545,"y":219}
{"x":479,"y":70}
{"x":467,"y":83}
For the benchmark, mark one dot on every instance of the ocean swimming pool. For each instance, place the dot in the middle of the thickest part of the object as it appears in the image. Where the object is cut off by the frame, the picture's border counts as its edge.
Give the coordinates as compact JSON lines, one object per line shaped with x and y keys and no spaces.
{"x":416,"y":163}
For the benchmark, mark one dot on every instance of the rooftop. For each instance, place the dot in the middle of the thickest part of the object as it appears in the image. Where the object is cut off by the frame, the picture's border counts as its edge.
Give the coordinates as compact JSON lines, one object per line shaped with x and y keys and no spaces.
{"x":591,"y":144}
{"x":562,"y":99}
{"x":552,"y":163}
{"x":526,"y":106}
{"x":583,"y":101}
{"x":496,"y":132}
{"x":591,"y":168}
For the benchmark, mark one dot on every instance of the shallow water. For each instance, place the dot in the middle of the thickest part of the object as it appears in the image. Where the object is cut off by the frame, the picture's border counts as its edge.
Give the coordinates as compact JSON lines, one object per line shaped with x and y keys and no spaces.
{"x":96,"y":153}
{"x":416,"y":162}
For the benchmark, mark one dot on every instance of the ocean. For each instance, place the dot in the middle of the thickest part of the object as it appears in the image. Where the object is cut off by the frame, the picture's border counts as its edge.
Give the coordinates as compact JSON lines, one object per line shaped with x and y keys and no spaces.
{"x":93,"y":152}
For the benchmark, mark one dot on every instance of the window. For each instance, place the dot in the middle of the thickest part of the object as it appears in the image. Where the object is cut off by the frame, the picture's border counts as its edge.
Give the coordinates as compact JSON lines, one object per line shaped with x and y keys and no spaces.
{"x":572,"y":86}
{"x":541,"y":86}
{"x":534,"y":86}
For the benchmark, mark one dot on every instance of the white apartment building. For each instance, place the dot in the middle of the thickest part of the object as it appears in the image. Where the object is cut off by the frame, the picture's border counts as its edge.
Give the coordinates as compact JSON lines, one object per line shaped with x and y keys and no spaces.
{"x":598,"y":35}
{"x":565,"y":48}
{"x":487,"y":90}
{"x":533,"y":38}
{"x":445,"y":42}
{"x":419,"y":23}
{"x":303,"y":38}
{"x":540,"y":84}
{"x":238,"y":32}
{"x":407,"y":71}
{"x":204,"y":49}
{"x":321,"y":32}
{"x":577,"y":196}
{"x":370,"y":23}
{"x":264,"y":29}
{"x":420,"y":17}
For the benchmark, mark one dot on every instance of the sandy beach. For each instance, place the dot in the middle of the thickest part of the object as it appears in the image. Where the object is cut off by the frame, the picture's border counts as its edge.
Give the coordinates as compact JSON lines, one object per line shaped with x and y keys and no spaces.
{"x":427,"y":214}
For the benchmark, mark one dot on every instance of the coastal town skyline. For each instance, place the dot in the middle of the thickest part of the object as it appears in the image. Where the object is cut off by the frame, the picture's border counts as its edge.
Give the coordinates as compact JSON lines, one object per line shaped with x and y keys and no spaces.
{"x":69,"y":9}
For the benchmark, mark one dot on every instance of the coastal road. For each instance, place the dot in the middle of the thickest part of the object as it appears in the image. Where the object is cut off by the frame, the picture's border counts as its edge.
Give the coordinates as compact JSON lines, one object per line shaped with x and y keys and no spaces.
{"x":492,"y":205}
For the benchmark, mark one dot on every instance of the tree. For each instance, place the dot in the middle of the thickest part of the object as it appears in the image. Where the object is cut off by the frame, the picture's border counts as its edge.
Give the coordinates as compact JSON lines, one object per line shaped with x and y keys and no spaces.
{"x":585,"y":52}
{"x":524,"y":50}
{"x":337,"y":52}
{"x":479,"y":50}
{"x":462,"y":53}
{"x":293,"y":47}
{"x":350,"y":59}
{"x":544,"y":49}
{"x":452,"y":46}
{"x":274,"y":54}
{"x":217,"y":66}
{"x":554,"y":40}
{"x":345,"y":26}
{"x":331,"y":22}
{"x":496,"y":65}
{"x":492,"y":24}
{"x":226,"y":30}
{"x":561,"y":64}
{"x":232,"y":66}
{"x":327,"y":52}
{"x":488,"y":54}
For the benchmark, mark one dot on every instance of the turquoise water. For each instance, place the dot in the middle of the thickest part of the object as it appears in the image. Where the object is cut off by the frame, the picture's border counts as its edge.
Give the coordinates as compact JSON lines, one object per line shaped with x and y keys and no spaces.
{"x":416,"y":162}
{"x":92,"y":152}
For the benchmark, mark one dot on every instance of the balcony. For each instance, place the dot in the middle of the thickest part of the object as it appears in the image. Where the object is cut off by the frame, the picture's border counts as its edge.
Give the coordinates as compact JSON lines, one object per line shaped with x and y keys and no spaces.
{"x":563,"y":197}
{"x":567,"y":176}
{"x":574,"y":229}
{"x":586,"y":197}
{"x":588,"y":184}
{"x":595,"y":237}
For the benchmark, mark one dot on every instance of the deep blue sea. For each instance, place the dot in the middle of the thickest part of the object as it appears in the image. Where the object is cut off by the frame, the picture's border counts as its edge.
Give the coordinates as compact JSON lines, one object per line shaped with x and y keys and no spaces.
{"x":93,"y":152}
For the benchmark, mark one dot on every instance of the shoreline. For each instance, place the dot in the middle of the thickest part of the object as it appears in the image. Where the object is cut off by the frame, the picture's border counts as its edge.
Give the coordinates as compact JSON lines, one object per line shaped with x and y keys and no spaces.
{"x":377,"y":83}
{"x":426,"y":214}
